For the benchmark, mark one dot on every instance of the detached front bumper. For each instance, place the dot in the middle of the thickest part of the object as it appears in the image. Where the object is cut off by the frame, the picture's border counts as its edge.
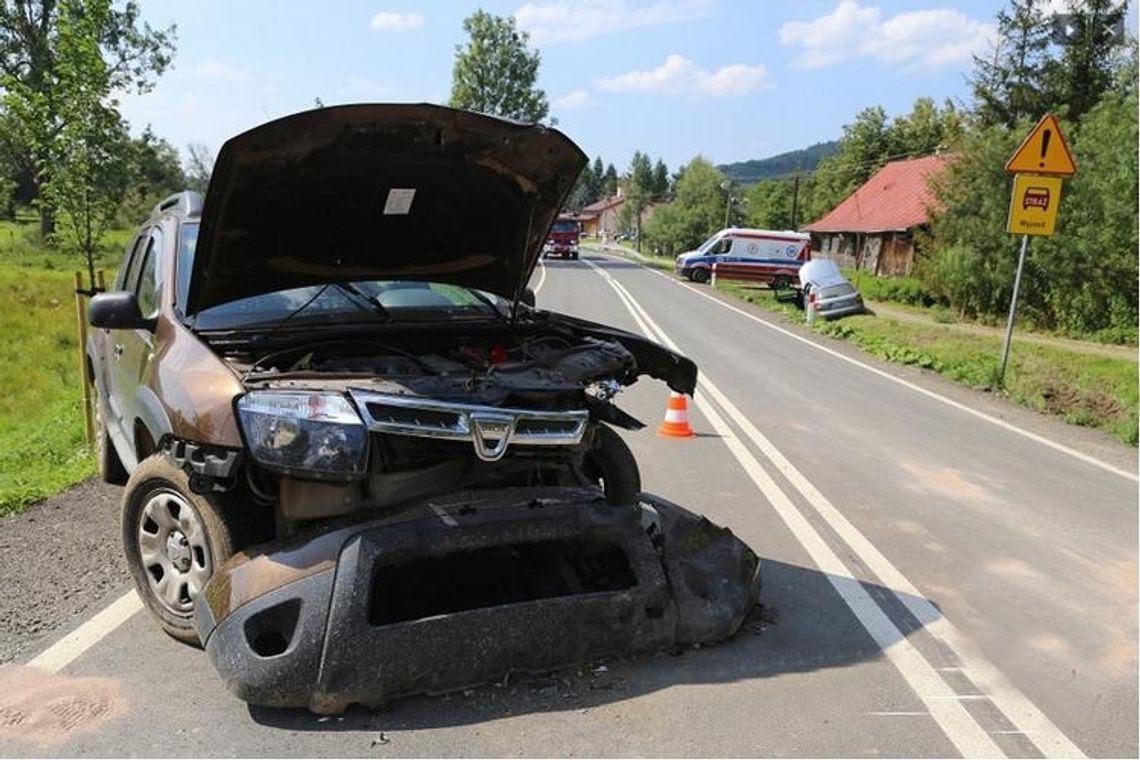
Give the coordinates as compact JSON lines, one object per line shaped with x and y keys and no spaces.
{"x":460,"y":590}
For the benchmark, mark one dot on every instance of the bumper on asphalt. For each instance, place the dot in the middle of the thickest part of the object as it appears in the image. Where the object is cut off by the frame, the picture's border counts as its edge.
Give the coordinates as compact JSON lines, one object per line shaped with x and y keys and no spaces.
{"x":460,"y":590}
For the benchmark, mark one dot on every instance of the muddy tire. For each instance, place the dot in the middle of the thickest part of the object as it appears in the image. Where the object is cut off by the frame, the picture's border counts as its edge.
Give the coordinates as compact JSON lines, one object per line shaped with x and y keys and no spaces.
{"x":700,"y":276}
{"x":173,"y":539}
{"x":611,"y":464}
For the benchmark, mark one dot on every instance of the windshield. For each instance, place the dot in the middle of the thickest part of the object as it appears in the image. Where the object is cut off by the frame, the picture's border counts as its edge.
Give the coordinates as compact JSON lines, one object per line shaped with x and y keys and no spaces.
{"x":352,"y":301}
{"x":564,"y":227}
{"x":705,"y":246}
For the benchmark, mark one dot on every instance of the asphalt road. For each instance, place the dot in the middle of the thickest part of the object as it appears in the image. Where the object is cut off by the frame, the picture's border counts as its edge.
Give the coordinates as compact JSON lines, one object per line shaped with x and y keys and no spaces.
{"x":936,"y":583}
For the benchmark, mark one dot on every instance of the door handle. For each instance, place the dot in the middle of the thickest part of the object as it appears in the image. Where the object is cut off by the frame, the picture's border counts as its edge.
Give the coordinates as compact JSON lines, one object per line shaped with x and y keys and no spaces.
{"x":118,"y":350}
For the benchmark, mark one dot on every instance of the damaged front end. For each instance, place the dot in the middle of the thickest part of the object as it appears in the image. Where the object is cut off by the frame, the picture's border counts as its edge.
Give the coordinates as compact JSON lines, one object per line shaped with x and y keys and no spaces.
{"x":457,"y":590}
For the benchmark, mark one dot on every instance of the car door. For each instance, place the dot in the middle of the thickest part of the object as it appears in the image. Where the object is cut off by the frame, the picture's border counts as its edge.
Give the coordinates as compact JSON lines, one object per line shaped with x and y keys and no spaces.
{"x":103,"y":354}
{"x":131,"y":350}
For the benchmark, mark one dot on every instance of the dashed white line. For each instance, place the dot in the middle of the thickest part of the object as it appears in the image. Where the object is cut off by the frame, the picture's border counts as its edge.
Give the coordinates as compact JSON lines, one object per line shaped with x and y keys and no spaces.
{"x":65,"y":651}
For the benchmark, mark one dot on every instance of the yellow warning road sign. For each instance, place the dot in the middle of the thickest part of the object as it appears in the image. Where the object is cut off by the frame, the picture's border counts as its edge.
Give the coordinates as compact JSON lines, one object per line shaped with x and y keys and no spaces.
{"x":1043,"y":152}
{"x":1033,"y":209}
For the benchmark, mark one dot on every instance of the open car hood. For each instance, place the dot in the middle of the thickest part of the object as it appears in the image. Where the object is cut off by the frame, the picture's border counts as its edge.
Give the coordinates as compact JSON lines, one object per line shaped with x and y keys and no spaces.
{"x":376,"y":192}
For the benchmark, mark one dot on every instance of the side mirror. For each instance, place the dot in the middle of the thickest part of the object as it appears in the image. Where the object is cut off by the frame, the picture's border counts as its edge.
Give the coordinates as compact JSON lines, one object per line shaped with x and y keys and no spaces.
{"x":528,"y":297}
{"x":117,"y":311}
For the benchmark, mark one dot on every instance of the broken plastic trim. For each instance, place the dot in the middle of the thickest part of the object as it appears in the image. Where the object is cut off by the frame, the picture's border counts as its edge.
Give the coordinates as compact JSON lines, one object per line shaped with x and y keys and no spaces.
{"x":462,"y":589}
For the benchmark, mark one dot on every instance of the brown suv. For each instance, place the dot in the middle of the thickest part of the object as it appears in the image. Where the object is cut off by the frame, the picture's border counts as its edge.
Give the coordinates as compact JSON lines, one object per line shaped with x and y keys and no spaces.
{"x":352,"y":445}
{"x":342,"y":327}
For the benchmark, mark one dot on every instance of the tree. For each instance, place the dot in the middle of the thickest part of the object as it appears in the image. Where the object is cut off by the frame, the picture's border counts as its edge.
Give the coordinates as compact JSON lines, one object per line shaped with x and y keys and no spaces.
{"x":1090,"y":264}
{"x":925,"y":130}
{"x":155,"y":171}
{"x":1092,"y":41}
{"x":863,"y":149}
{"x":770,"y":204}
{"x":199,"y":166}
{"x":588,"y":187}
{"x":660,"y":184}
{"x":638,"y":194}
{"x":31,"y":64}
{"x":86,"y":165}
{"x":495,"y":72}
{"x":609,"y":182}
{"x":1009,"y":82}
{"x":696,"y":211}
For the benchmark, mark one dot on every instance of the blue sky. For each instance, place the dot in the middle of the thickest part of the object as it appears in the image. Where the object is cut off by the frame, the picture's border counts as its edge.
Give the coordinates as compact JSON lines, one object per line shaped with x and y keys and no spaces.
{"x":674,"y":78}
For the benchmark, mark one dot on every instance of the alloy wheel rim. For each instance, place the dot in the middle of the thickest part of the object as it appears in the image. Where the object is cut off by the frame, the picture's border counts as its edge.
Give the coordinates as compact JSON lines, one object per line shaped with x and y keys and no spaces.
{"x":174,"y":551}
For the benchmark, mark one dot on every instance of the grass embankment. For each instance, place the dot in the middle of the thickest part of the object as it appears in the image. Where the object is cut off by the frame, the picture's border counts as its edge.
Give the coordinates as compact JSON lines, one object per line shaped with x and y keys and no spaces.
{"x":1093,"y":391}
{"x":42,"y":445}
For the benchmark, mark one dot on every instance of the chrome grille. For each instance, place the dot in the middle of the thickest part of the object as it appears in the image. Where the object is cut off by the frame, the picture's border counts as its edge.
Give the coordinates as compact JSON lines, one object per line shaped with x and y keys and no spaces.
{"x":490,"y":429}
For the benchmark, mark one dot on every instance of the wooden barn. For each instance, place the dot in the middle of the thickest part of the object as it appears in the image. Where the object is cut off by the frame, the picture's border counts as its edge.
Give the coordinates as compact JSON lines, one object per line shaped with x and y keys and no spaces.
{"x":873,"y":228}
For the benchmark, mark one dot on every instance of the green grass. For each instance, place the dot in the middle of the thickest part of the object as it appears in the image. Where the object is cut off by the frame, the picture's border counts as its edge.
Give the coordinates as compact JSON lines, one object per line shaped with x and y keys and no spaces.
{"x":1087,"y":390}
{"x":42,"y":444}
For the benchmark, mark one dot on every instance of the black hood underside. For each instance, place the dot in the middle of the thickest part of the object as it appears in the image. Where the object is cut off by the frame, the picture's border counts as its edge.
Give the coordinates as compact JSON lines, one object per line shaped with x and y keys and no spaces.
{"x":402,"y":192}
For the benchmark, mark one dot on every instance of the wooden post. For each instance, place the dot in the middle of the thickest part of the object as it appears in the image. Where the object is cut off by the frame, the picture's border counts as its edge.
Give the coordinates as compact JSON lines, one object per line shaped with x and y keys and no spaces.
{"x":81,"y":322}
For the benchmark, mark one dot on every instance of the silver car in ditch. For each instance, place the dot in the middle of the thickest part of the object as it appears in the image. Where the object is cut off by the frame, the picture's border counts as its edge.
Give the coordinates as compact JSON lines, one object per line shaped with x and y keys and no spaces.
{"x":826,"y":292}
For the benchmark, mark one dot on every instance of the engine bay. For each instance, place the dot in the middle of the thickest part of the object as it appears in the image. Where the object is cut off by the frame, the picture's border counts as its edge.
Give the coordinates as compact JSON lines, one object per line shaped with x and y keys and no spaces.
{"x":551,"y":371}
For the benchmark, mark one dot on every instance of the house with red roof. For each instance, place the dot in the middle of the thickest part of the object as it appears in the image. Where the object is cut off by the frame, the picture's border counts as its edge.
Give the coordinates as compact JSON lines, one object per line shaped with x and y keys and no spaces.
{"x":873,"y":228}
{"x":601,"y":216}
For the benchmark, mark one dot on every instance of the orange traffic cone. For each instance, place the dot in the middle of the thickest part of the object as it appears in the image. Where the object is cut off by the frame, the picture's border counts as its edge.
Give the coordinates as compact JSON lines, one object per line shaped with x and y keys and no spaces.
{"x":676,"y":424}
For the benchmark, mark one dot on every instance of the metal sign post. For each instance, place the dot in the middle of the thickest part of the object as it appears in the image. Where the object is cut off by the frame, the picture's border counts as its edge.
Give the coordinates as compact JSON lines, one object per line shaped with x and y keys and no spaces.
{"x":1012,"y":309}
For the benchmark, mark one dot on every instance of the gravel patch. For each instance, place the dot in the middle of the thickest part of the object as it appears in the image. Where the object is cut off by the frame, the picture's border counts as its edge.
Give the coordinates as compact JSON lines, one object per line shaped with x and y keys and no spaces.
{"x":58,"y":559}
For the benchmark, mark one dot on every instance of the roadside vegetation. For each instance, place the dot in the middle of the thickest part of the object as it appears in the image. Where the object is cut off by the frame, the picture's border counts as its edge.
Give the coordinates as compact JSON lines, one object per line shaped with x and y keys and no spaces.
{"x":1093,"y":391}
{"x":42,"y":444}
{"x":1080,"y":282}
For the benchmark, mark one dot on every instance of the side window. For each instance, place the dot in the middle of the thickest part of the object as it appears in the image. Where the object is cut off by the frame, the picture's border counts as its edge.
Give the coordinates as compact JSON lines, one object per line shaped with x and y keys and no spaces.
{"x":130,"y":260}
{"x":187,"y":241}
{"x":147,"y":287}
{"x":721,"y":246}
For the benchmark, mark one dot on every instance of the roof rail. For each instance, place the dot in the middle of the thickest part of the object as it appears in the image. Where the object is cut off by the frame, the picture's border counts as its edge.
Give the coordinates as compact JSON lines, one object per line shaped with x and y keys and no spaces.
{"x":187,"y":203}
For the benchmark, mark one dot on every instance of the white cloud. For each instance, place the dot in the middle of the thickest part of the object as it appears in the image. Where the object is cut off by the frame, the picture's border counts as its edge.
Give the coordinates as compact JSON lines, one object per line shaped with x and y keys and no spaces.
{"x":386,"y":21}
{"x":575,"y":99}
{"x":929,"y":38}
{"x":584,"y":19}
{"x":680,"y":76}
{"x":214,"y":69}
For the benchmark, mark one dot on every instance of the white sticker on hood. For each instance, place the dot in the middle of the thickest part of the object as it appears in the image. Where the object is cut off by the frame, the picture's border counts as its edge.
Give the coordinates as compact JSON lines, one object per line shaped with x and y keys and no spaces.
{"x":399,"y":201}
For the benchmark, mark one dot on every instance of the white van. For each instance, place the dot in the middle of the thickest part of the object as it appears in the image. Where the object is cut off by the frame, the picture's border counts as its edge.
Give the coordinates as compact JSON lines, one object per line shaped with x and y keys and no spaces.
{"x":770,"y":256}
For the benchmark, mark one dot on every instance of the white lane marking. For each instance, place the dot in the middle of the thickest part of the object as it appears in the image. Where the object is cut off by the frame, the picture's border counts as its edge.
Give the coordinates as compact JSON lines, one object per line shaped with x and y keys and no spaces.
{"x":955,"y":721}
{"x":541,"y":276}
{"x":1021,"y":712}
{"x":984,"y":674}
{"x":65,"y":651}
{"x":916,"y":388}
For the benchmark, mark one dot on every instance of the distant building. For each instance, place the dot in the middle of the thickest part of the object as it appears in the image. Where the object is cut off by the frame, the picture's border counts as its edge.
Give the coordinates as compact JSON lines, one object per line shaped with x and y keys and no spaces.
{"x":601,"y":217}
{"x":873,"y":228}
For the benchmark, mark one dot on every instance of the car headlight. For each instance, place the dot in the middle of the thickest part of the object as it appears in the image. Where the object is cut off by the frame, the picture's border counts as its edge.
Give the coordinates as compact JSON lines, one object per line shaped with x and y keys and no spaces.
{"x":318,"y":435}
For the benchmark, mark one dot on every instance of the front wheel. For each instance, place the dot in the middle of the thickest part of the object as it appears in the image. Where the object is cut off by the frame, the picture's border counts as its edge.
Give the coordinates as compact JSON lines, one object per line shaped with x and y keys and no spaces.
{"x":700,"y":276}
{"x":610,"y":464}
{"x":173,"y":539}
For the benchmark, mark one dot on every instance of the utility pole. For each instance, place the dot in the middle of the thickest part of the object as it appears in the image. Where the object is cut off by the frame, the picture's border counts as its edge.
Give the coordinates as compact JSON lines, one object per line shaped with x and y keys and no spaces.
{"x":795,"y":200}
